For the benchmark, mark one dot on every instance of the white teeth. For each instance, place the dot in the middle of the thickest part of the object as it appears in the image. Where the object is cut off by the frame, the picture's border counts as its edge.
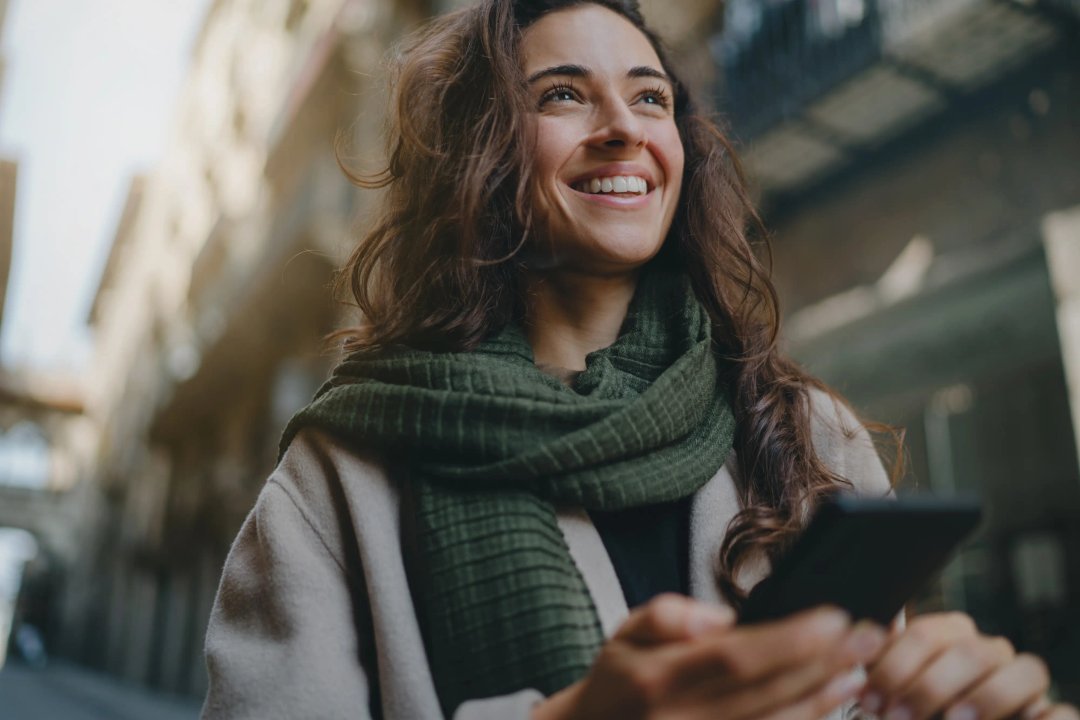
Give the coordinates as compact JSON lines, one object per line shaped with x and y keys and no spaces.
{"x":615,"y":184}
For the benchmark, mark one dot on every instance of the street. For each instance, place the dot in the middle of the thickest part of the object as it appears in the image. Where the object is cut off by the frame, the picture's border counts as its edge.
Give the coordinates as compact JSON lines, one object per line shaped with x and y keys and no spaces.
{"x":67,"y":692}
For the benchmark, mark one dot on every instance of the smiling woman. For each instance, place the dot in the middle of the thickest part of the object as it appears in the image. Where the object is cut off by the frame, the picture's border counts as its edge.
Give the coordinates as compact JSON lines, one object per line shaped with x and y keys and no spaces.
{"x":563,"y":444}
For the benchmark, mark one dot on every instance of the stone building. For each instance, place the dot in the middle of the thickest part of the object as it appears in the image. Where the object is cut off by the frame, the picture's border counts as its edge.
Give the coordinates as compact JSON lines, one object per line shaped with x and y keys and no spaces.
{"x":919,"y":165}
{"x":209,"y":318}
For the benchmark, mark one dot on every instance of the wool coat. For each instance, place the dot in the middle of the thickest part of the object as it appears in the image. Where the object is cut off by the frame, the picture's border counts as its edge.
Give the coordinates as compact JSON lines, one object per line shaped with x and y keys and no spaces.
{"x":313,"y":616}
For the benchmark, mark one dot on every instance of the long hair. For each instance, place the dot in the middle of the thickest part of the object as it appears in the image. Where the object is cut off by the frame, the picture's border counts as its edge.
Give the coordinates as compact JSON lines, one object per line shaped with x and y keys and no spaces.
{"x":440,"y":268}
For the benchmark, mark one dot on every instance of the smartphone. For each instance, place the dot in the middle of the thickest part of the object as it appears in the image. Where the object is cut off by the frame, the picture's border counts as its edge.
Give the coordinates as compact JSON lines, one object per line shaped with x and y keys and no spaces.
{"x":868,"y":557}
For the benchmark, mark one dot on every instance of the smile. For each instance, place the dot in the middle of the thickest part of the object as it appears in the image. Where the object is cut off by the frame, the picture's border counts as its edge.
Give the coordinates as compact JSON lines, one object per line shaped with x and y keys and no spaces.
{"x":616,"y":184}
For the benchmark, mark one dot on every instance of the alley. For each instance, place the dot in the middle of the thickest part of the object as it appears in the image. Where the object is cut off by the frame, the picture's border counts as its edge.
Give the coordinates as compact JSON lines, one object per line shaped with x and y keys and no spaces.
{"x":65,"y":692}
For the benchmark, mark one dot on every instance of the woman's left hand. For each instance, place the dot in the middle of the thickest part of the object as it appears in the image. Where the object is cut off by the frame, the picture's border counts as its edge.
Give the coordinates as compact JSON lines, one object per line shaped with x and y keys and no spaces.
{"x":941,"y":664}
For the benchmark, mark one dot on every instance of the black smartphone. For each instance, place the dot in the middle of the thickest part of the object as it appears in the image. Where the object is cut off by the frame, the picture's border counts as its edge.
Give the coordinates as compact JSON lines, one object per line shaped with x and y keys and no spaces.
{"x":868,"y":557}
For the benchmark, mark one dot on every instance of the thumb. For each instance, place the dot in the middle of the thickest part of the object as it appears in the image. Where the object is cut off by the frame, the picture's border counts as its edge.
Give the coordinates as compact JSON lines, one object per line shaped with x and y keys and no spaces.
{"x":671,"y":618}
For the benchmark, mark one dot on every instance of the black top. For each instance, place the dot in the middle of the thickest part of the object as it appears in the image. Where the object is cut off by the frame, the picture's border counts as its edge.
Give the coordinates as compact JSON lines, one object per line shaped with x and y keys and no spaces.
{"x":649,"y":547}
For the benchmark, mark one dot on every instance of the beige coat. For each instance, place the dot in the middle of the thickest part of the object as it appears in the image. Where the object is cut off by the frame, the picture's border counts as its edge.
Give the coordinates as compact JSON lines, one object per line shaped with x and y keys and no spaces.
{"x":313,"y":617}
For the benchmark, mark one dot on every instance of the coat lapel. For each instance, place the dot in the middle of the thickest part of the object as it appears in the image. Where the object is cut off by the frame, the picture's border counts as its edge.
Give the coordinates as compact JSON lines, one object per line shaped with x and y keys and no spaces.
{"x":711,"y":510}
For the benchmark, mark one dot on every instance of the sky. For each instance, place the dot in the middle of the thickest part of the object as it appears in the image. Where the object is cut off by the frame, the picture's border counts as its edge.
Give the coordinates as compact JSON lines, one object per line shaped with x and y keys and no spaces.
{"x":86,"y":101}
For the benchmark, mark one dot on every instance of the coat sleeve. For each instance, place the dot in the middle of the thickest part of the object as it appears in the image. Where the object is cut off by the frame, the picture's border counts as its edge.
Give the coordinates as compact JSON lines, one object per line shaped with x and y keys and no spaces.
{"x":290,"y":634}
{"x":284,"y":639}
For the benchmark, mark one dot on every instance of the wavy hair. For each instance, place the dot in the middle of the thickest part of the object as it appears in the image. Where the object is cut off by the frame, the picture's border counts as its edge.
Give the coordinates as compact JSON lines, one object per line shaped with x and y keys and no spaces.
{"x":440,"y":267}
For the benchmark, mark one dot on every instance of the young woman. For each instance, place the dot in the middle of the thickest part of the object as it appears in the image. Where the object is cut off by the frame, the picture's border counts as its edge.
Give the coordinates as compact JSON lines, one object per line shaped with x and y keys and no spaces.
{"x":564,"y":444}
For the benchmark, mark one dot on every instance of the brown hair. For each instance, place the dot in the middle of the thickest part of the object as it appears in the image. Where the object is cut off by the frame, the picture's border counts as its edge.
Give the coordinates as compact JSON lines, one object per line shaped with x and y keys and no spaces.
{"x":440,"y":268}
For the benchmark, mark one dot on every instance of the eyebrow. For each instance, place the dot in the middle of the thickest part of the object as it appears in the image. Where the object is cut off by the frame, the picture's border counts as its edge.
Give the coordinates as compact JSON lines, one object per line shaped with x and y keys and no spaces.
{"x":638,"y":71}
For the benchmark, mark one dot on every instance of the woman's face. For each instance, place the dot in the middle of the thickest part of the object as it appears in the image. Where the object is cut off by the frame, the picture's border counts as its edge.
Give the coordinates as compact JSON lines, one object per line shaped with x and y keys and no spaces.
{"x":609,"y":161}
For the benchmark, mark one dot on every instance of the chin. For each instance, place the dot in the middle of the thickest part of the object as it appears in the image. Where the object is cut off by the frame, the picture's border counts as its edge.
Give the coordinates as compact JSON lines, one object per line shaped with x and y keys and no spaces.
{"x":618,"y":250}
{"x":624,"y":256}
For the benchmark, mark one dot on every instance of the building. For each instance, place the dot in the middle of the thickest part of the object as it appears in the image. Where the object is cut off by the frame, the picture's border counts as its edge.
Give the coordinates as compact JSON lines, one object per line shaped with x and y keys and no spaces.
{"x":209,"y":319}
{"x":919,"y":166}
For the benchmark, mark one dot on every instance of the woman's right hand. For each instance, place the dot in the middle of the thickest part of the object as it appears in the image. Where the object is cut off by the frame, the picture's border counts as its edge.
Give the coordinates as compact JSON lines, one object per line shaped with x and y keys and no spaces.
{"x":679,"y":658}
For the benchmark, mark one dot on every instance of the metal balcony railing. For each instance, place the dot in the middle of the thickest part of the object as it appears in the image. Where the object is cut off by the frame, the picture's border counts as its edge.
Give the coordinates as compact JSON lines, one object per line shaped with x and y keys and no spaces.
{"x":778,"y":56}
{"x":810,"y":86}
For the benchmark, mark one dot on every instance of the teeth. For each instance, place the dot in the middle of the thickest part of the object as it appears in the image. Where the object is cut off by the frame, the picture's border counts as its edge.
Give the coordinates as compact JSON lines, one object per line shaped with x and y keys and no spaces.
{"x":616,"y":184}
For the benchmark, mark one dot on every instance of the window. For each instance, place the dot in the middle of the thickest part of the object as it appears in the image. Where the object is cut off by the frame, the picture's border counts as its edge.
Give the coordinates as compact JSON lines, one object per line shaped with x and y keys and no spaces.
{"x":24,"y":457}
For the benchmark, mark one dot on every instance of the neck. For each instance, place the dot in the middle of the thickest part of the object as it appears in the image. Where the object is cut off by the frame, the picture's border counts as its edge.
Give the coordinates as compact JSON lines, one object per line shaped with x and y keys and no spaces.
{"x":570,"y":315}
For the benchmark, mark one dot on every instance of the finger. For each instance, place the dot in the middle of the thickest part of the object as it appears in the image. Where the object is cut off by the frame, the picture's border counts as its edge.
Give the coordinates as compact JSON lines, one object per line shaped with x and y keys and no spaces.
{"x":923,"y":639}
{"x":1005,"y":692}
{"x":950,"y":675}
{"x":795,"y":683}
{"x":1036,"y":709}
{"x":842,"y":688}
{"x":753,"y":653}
{"x":1061,"y":712}
{"x":671,"y":617}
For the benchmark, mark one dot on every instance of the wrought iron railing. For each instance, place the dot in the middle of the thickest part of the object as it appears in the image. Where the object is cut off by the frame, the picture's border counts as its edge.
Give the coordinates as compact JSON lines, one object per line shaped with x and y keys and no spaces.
{"x":776,"y":56}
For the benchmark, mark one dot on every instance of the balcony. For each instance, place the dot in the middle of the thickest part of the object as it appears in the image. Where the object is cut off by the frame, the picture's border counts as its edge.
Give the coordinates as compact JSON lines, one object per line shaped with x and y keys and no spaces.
{"x":810,"y":86}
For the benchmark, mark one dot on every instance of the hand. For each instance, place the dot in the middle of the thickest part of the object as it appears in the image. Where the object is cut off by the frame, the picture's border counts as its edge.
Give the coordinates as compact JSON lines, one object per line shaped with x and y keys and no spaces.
{"x":941,"y":664}
{"x":678,"y":658}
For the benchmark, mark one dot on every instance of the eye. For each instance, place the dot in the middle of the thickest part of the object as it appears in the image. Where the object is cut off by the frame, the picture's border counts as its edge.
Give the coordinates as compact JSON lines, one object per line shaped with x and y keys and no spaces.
{"x":559,"y":93}
{"x":656,"y":96}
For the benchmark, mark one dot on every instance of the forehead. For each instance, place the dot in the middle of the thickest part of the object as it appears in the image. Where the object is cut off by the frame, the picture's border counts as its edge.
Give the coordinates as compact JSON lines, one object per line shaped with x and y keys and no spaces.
{"x":589,"y":35}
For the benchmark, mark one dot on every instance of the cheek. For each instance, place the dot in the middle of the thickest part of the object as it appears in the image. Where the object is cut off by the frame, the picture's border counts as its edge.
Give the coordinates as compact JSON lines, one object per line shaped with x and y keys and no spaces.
{"x":554,"y":146}
{"x":669,"y":151}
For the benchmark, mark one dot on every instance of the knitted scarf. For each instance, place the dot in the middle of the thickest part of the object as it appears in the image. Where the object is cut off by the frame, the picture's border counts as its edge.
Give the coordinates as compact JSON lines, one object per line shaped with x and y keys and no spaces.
{"x":489,"y":446}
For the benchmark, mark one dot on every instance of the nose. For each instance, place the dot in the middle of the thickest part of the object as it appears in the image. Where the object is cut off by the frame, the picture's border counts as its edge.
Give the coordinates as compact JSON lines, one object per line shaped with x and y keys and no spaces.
{"x":618,"y":126}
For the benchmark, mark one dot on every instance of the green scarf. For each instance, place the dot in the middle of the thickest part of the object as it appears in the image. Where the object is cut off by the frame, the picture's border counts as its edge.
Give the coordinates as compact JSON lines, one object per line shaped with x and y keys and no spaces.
{"x":488,"y":446}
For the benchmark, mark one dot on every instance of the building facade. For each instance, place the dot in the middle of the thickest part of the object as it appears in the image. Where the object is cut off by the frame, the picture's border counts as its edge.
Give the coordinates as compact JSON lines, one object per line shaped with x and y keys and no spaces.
{"x":919,"y":166}
{"x":209,"y":320}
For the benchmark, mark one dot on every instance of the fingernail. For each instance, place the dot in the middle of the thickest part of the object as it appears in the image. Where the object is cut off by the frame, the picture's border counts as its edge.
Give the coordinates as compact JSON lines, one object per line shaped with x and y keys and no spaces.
{"x":707,"y":617}
{"x":898,"y":712}
{"x":844,"y":686}
{"x":832,"y":619}
{"x":866,"y":640}
{"x":870,"y":702}
{"x":1035,"y":709}
{"x":963,"y":711}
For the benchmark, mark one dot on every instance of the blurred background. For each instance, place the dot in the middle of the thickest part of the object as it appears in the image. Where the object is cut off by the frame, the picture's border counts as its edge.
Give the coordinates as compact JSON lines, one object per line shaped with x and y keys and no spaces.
{"x":171,"y":212}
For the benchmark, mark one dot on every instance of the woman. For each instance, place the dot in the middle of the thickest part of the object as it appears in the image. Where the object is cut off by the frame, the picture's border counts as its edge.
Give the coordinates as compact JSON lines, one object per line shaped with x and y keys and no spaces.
{"x":566,"y":402}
